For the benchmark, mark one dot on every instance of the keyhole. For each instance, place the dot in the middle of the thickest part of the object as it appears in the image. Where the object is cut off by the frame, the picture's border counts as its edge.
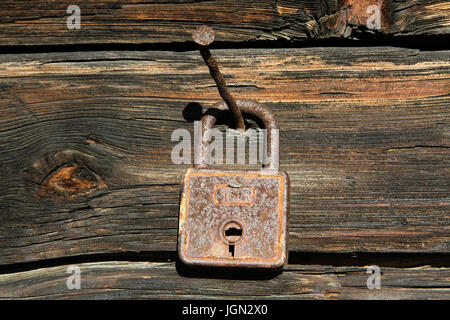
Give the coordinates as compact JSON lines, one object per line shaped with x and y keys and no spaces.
{"x":231,"y":250}
{"x":232,"y":232}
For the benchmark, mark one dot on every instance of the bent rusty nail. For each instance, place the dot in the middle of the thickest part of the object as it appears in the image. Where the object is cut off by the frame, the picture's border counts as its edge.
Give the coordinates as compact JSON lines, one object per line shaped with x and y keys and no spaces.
{"x":204,"y":36}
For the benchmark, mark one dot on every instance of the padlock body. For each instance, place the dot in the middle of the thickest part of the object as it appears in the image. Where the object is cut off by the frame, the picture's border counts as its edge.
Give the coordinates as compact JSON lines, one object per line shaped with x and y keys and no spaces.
{"x":234,"y":218}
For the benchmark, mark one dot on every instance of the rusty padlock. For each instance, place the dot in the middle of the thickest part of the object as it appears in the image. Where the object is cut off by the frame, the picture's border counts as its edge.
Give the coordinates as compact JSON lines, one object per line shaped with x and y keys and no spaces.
{"x":235,"y":218}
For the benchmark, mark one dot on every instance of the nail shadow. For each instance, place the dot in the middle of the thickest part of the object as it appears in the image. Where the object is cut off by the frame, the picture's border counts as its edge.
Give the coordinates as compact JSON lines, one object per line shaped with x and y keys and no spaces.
{"x":193,"y":111}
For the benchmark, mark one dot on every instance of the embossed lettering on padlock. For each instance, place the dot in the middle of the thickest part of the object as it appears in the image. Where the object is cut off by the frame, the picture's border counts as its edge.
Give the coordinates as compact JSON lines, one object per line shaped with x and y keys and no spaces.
{"x":235,"y":218}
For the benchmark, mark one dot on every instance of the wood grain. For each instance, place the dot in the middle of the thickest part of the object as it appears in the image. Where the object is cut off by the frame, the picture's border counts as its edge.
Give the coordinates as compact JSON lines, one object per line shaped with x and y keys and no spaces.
{"x":43,"y":22}
{"x":85,"y":146}
{"x":146,"y":280}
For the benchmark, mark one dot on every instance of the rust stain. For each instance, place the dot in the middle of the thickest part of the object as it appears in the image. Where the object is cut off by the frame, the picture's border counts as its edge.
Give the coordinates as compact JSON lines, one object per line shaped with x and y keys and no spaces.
{"x":354,"y":13}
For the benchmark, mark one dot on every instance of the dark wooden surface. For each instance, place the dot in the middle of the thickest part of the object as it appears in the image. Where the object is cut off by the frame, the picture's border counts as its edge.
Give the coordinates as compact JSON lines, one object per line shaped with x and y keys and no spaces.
{"x":85,"y":145}
{"x":43,"y":22}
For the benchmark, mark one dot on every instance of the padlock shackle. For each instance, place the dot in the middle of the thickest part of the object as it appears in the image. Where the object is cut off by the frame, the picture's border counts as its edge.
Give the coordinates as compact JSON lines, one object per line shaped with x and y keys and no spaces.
{"x":246,"y":106}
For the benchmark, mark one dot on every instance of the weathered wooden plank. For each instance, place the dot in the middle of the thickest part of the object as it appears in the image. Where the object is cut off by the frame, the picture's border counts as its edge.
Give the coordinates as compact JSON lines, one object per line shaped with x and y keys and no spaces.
{"x":85,"y":149}
{"x":144,"y":280}
{"x":43,"y":22}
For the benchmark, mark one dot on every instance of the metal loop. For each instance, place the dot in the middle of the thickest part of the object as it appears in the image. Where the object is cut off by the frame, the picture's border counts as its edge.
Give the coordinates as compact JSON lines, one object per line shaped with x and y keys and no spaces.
{"x":246,"y":106}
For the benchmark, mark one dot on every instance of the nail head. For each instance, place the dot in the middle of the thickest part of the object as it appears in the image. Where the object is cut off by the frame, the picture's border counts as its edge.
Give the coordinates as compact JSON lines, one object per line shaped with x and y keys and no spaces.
{"x":204,"y":35}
